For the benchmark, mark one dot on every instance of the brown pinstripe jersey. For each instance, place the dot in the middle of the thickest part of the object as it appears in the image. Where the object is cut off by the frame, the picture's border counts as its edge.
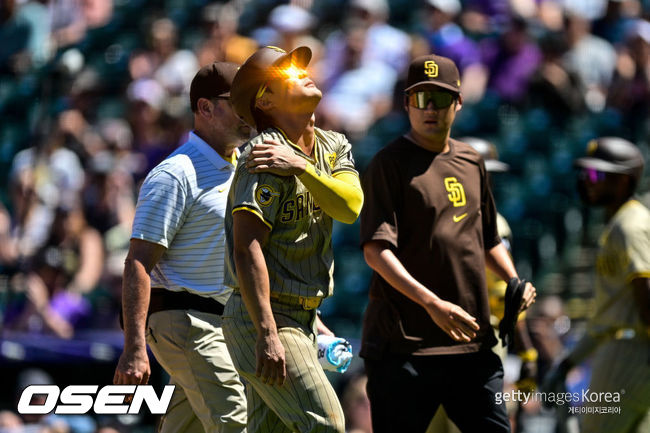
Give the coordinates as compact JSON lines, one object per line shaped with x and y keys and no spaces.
{"x":298,"y":253}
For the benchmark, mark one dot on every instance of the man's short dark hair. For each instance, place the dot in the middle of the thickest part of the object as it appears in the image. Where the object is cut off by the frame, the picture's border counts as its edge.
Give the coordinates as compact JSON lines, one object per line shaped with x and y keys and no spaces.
{"x":212,"y":81}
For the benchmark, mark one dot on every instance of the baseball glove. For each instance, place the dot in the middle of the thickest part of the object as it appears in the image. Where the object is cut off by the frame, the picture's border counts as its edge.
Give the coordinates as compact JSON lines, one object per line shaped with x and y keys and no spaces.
{"x":514,"y":293}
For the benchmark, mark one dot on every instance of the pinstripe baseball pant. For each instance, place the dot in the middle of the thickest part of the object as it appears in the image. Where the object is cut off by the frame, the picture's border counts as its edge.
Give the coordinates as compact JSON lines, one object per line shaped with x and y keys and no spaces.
{"x":306,"y":402}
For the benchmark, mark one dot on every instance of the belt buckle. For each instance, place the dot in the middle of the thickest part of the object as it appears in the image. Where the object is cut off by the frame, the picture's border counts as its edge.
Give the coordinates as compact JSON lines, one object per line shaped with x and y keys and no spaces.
{"x":309,"y":303}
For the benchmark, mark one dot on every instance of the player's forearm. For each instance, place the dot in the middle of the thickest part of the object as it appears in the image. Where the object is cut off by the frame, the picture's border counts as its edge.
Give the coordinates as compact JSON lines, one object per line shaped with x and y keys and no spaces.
{"x":499,"y":261}
{"x":41,"y":307}
{"x":136,"y":293}
{"x":92,"y":262}
{"x":321,"y":328}
{"x":253,"y":277}
{"x":383,"y":261}
{"x":340,"y":197}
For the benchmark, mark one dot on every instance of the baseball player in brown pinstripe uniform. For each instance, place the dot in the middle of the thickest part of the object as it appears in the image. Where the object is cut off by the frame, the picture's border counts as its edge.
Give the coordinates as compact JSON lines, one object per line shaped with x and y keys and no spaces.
{"x":279,"y":226}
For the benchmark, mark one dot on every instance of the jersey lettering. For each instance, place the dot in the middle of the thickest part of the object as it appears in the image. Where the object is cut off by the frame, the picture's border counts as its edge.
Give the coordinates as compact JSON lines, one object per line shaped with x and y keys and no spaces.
{"x":297,"y":209}
{"x":300,"y":206}
{"x":288,"y":211}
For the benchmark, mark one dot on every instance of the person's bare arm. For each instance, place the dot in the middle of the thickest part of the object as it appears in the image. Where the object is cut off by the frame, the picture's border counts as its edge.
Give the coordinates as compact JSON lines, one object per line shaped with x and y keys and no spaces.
{"x":8,"y":244}
{"x":451,"y":318}
{"x":133,"y":366}
{"x":39,"y":304}
{"x":92,"y":262}
{"x":499,"y":261}
{"x":250,"y":235}
{"x":322,"y":329}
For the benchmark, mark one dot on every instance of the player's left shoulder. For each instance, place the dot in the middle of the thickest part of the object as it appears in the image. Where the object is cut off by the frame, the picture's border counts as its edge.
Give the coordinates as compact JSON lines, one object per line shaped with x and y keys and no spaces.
{"x":332,"y":140}
{"x":467,"y":154}
{"x":464,"y":150}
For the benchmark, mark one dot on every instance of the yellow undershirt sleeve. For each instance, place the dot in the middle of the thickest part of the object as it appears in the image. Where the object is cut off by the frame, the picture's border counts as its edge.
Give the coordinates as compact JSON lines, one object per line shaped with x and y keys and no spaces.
{"x":339,"y":196}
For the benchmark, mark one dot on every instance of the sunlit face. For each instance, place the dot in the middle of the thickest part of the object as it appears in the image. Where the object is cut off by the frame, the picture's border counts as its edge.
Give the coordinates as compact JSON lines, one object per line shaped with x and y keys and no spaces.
{"x":425,"y":118}
{"x":290,"y":90}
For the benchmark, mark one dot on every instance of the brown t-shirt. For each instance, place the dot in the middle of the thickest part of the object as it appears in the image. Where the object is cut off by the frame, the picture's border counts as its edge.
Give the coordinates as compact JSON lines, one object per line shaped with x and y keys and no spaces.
{"x":438,"y":214}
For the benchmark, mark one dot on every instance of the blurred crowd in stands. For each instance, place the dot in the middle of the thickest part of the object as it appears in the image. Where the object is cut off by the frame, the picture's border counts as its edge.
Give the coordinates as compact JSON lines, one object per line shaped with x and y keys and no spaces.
{"x":94,"y":93}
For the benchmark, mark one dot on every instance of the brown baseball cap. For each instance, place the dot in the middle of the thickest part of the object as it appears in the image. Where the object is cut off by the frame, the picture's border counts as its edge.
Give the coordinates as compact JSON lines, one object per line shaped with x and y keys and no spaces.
{"x":435,"y":70}
{"x":212,"y":81}
{"x":258,"y":69}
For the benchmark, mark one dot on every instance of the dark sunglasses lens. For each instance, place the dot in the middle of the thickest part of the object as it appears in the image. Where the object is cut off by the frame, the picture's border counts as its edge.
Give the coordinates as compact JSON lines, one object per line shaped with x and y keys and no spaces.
{"x":442,"y":99}
{"x":592,"y":175}
{"x":439,"y":99}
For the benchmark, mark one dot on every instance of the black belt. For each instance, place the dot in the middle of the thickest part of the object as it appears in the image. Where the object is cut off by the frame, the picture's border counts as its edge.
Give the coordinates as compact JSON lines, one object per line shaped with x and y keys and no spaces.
{"x":163,"y":300}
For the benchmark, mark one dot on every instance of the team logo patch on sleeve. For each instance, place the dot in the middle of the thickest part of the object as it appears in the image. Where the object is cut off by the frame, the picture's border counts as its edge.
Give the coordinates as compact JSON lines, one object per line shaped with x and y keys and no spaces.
{"x":264,"y":195}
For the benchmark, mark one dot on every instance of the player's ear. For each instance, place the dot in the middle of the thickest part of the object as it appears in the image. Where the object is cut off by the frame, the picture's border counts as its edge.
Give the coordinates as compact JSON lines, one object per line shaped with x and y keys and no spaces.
{"x":459,"y":102}
{"x":405,"y":101}
{"x":264,"y":103}
{"x":204,"y":107}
